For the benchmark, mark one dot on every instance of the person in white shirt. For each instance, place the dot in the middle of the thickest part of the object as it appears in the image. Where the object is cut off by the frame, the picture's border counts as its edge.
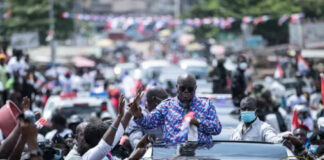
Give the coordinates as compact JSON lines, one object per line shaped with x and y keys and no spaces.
{"x":296,"y":99}
{"x":66,"y":82}
{"x":251,"y":128}
{"x":59,"y":127}
{"x":101,"y":147}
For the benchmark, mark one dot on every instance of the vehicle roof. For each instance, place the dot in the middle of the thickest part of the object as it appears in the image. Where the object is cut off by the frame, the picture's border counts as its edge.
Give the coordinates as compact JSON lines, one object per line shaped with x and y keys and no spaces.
{"x":155,"y":63}
{"x":56,"y":101}
{"x":192,"y":63}
{"x":224,"y":150}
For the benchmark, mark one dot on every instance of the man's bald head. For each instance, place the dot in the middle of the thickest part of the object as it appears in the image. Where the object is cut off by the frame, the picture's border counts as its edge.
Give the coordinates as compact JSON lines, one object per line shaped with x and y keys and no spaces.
{"x":154,"y":97}
{"x":186,"y":78}
{"x":186,"y":86}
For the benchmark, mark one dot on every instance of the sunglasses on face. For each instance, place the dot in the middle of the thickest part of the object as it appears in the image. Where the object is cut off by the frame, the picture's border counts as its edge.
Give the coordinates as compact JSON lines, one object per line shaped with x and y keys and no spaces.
{"x":189,"y":89}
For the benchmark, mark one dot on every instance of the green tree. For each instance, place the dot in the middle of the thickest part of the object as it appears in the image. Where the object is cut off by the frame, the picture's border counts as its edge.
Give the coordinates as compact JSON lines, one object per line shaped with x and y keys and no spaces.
{"x":240,"y":8}
{"x":33,"y":15}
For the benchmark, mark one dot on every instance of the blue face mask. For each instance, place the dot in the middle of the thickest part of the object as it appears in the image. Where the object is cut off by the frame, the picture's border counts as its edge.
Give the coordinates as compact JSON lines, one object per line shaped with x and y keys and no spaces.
{"x":248,"y":116}
{"x":313,"y":148}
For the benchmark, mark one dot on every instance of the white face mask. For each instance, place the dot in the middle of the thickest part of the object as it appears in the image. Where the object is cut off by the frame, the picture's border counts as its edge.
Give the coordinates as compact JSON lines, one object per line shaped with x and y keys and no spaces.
{"x":243,"y":65}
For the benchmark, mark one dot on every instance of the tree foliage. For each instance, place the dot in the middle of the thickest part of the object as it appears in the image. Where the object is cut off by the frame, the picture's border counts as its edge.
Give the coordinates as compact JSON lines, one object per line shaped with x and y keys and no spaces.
{"x":240,"y":8}
{"x":33,"y":15}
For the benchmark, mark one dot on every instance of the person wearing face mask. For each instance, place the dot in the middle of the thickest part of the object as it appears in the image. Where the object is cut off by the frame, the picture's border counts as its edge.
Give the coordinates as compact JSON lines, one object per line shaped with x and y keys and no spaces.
{"x":251,"y":128}
{"x":239,"y":83}
{"x":317,"y":138}
{"x":171,"y":112}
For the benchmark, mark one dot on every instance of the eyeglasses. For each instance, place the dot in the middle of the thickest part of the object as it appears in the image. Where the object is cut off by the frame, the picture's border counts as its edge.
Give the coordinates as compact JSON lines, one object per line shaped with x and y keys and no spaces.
{"x":183,"y":88}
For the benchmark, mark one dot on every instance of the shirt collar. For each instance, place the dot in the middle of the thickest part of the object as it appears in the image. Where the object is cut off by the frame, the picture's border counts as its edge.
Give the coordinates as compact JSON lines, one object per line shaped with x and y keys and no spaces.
{"x":194,"y":99}
{"x":254,"y":124}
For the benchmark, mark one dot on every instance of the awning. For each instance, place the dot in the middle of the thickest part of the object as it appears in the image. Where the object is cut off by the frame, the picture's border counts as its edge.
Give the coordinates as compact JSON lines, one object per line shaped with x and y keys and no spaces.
{"x":83,"y":62}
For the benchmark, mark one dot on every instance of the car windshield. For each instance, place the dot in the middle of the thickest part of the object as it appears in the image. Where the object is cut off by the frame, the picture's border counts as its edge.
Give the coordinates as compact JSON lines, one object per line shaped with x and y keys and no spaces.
{"x":83,"y":111}
{"x":199,"y":72}
{"x":221,"y":150}
{"x":170,"y":73}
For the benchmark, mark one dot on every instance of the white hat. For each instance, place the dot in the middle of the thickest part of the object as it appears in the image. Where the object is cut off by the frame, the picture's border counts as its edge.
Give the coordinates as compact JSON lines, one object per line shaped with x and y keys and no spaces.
{"x":301,"y":108}
{"x":105,"y":115}
{"x":320,"y":122}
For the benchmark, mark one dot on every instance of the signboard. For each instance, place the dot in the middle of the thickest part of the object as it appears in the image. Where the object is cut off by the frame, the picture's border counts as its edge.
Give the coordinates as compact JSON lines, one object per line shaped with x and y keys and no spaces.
{"x":307,"y":35}
{"x":254,"y":42}
{"x":25,"y":40}
{"x":295,"y":34}
{"x":313,"y":35}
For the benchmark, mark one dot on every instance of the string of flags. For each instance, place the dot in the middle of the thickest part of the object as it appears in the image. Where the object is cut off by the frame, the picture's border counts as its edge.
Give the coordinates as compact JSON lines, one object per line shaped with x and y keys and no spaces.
{"x":159,"y":22}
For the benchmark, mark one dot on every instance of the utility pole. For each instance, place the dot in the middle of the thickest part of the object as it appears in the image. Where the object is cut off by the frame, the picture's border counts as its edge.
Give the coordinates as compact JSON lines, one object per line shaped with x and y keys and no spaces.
{"x":52,"y":31}
{"x":177,"y":8}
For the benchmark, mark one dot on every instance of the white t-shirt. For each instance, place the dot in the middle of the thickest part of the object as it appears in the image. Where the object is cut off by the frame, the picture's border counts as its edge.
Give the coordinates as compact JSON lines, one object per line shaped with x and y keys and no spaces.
{"x":99,"y":152}
{"x":102,"y":149}
{"x":294,"y":100}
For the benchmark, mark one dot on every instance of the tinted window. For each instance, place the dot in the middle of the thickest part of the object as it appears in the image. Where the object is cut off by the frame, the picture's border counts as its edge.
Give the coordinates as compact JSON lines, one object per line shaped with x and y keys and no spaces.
{"x":83,"y":111}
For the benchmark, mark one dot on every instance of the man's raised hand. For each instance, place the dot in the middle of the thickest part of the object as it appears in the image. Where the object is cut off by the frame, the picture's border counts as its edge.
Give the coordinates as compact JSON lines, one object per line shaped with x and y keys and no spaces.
{"x":121,"y":106}
{"x":26,"y":104}
{"x":134,"y":106}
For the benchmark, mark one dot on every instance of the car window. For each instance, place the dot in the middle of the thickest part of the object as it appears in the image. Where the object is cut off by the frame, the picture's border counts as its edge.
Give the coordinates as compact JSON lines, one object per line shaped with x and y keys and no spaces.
{"x":199,"y":72}
{"x":82,"y":110}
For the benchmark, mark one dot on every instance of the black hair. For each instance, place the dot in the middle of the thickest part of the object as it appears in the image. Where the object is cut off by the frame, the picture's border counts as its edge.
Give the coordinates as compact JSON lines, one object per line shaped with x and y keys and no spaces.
{"x":58,"y":119}
{"x":94,"y":132}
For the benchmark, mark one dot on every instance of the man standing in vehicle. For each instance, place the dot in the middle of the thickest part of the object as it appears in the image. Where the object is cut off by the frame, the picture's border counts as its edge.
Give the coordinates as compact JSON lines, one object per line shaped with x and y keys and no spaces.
{"x":171,"y":112}
{"x":251,"y":128}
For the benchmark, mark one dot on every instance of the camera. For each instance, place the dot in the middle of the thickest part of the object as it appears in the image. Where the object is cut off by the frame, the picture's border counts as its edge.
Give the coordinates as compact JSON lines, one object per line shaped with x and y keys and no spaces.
{"x":49,"y":151}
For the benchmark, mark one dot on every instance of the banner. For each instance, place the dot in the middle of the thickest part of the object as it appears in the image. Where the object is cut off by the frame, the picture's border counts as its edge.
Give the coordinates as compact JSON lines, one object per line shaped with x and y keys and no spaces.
{"x":160,"y":22}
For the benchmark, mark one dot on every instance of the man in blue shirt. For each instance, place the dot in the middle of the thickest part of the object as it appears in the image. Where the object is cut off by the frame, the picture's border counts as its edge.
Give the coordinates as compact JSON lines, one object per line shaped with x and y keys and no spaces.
{"x":170,"y":114}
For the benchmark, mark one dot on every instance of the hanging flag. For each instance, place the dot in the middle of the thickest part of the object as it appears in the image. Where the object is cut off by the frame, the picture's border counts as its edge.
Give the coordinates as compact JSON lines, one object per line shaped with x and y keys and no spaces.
{"x":322,"y":86}
{"x":215,"y":21}
{"x":260,"y":19}
{"x":197,"y":22}
{"x":228,"y":22}
{"x":65,"y":15}
{"x":294,"y":18}
{"x":279,"y":72}
{"x":247,"y":19}
{"x":302,"y":65}
{"x":206,"y":21}
{"x":283,"y":19}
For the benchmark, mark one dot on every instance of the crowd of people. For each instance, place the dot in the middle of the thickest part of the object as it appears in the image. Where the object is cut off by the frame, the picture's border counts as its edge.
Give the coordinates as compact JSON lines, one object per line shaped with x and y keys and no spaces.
{"x":148,"y":113}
